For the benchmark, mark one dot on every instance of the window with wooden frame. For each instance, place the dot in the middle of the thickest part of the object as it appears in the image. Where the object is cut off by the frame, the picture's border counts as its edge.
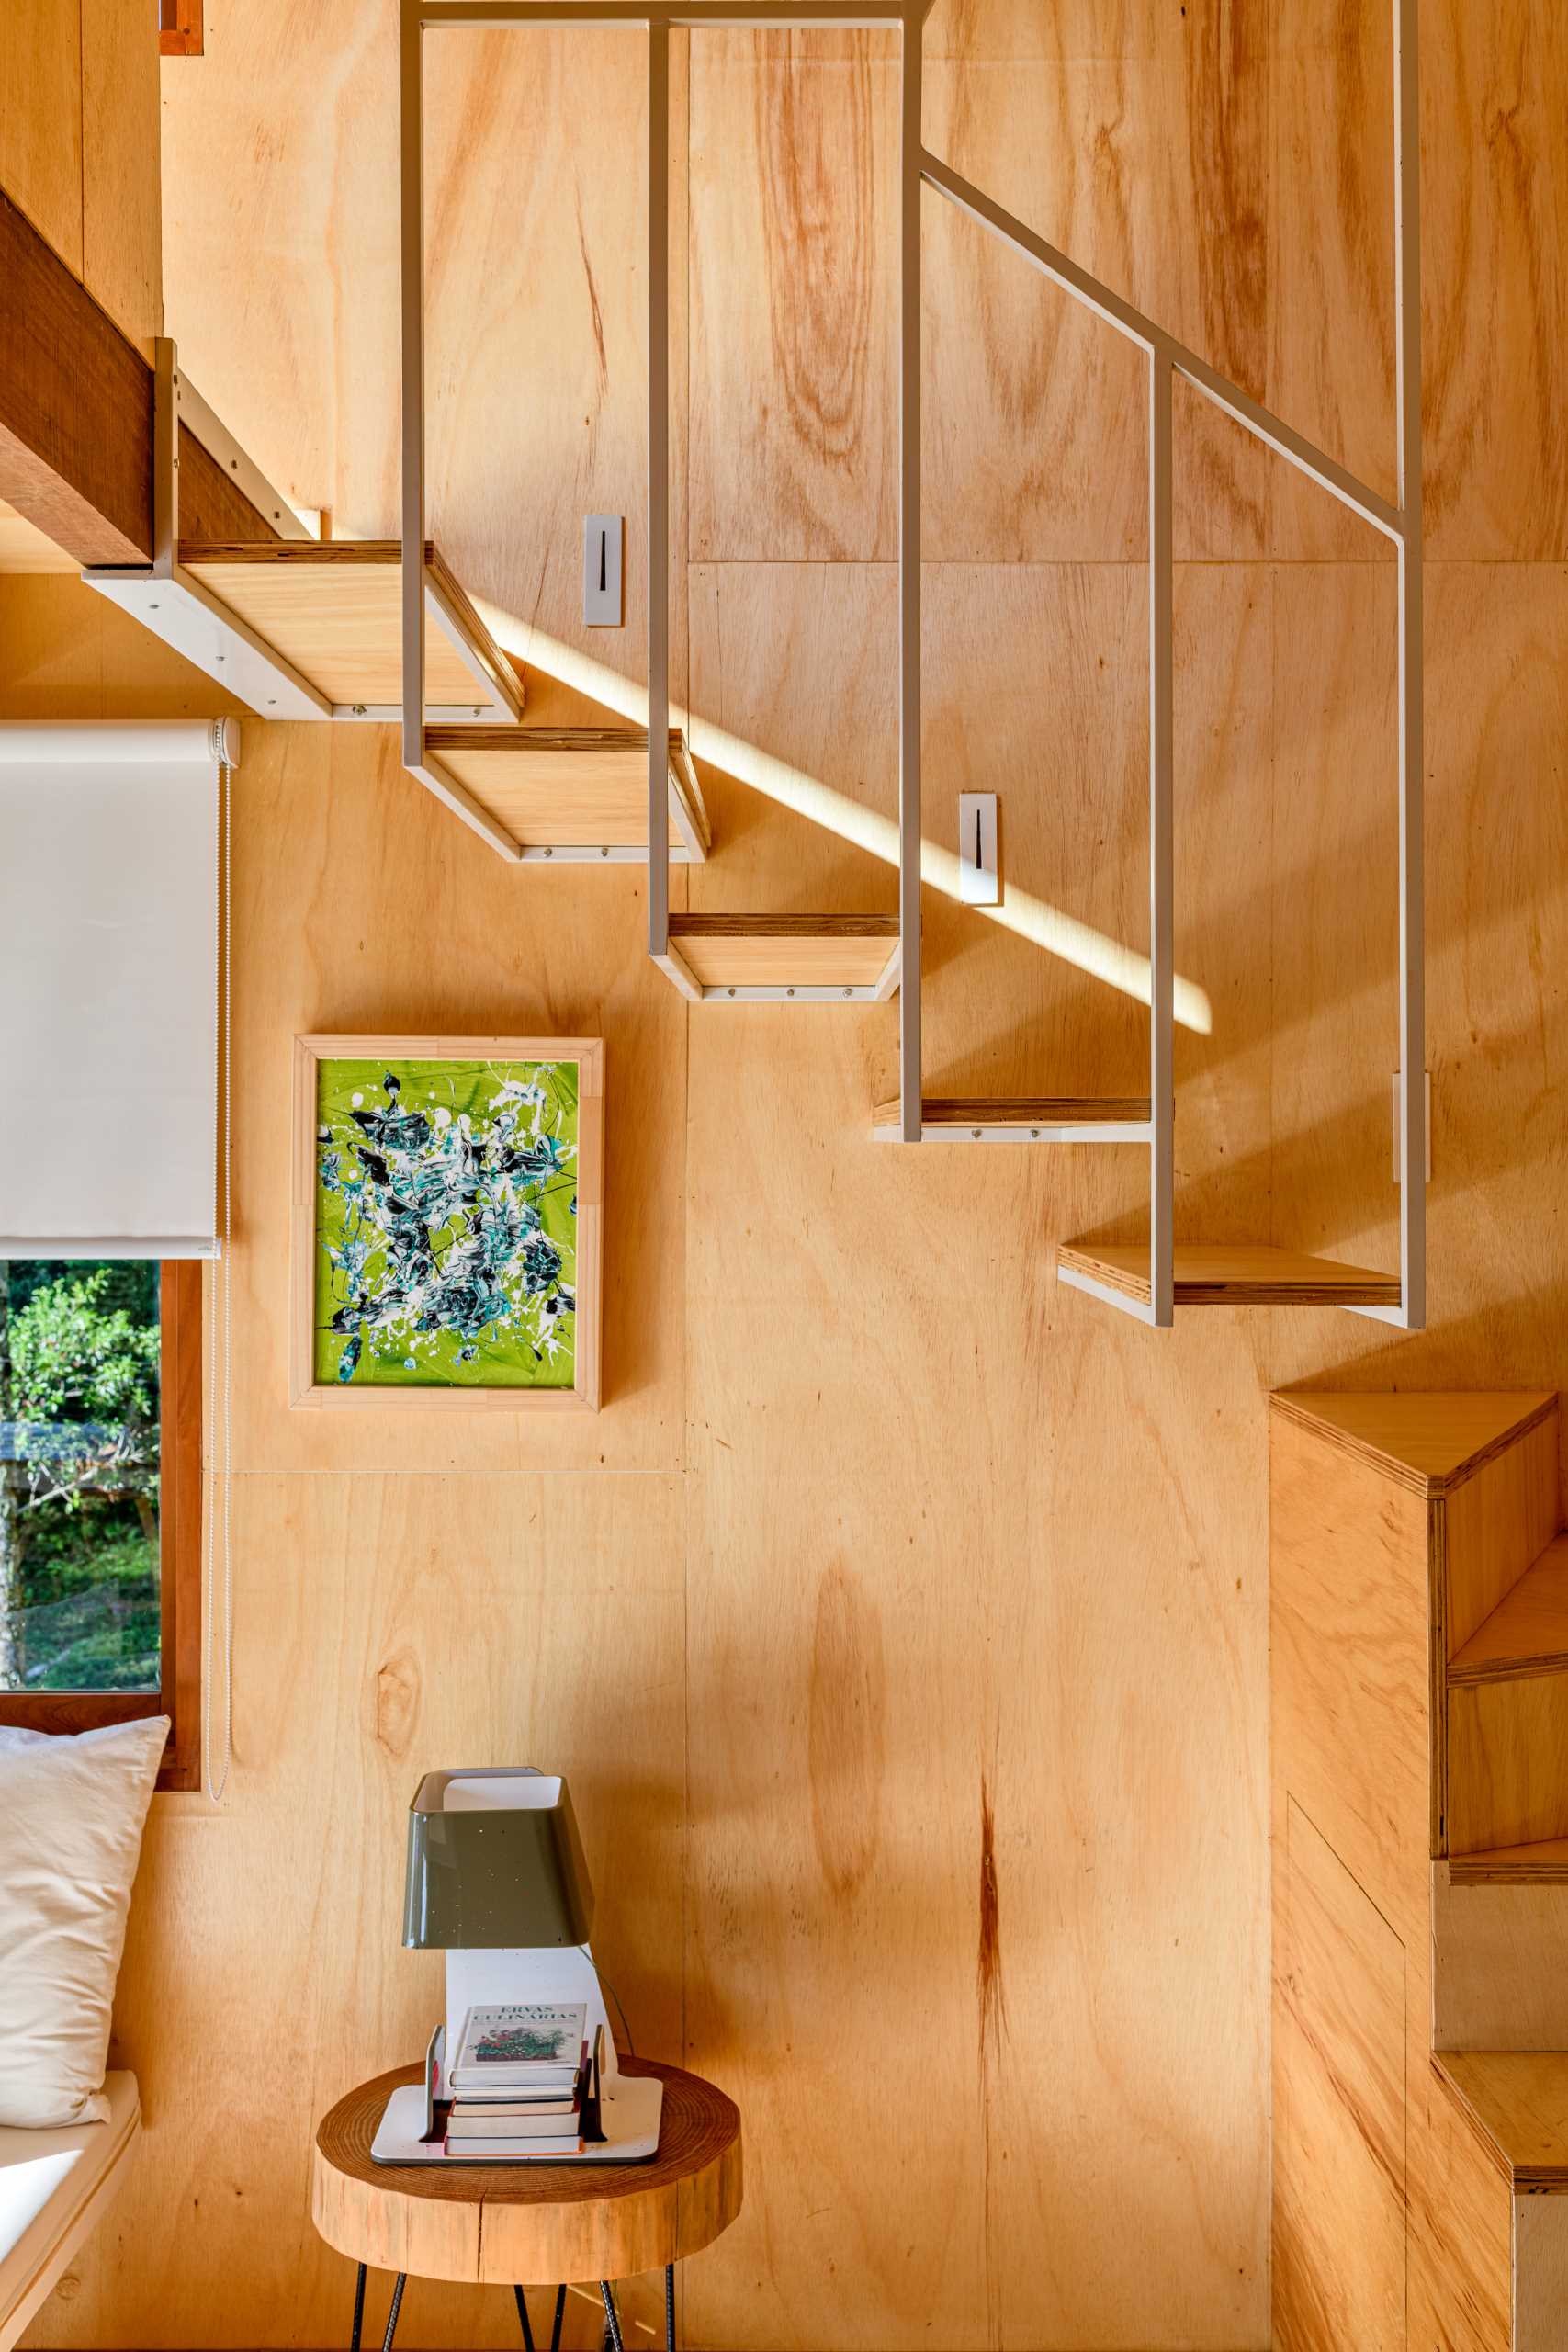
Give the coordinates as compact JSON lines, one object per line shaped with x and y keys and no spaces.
{"x":101,"y":1498}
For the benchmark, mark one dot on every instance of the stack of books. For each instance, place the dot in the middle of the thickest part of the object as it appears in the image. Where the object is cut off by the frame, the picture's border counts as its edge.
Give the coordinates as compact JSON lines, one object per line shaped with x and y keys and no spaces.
{"x":519,"y":2078}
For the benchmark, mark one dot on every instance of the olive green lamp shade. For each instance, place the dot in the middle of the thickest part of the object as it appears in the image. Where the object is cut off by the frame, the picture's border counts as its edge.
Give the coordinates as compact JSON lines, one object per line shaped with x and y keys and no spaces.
{"x":495,"y":1861}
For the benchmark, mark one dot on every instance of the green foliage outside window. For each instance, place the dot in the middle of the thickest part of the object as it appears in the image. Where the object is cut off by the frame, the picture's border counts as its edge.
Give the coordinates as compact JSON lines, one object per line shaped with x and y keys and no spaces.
{"x":79,"y":1455}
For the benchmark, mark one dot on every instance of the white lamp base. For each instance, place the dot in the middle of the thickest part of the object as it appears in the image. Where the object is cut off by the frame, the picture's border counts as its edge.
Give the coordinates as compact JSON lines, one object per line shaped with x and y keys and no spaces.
{"x":629,"y":2105}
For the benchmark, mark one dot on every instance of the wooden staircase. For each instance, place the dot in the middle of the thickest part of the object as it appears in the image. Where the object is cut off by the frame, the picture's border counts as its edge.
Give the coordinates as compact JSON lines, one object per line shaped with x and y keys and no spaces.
{"x":1419,"y":1661}
{"x":303,"y":628}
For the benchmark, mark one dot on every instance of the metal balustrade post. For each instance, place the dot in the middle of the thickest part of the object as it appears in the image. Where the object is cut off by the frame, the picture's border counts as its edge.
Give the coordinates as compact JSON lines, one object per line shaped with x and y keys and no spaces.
{"x":1162,"y":837}
{"x":658,"y":488}
{"x":412,"y":239}
{"x":1412,"y":913}
{"x":910,"y":1072}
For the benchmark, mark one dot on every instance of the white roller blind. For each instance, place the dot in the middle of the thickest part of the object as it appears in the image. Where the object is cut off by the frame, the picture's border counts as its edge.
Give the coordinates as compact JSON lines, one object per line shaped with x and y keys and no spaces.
{"x":108,"y":1001}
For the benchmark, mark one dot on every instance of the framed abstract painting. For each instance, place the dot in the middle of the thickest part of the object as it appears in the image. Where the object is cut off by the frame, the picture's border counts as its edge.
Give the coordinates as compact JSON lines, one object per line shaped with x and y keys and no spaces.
{"x":447,"y":1205}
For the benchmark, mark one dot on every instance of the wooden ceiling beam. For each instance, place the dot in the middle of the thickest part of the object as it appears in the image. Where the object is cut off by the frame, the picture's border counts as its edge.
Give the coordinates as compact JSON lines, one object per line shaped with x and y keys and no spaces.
{"x":76,"y":419}
{"x":76,"y":407}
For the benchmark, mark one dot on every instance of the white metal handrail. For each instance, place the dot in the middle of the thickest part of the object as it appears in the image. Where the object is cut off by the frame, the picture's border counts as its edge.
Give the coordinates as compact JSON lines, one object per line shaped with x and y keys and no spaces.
{"x":1168,"y":357}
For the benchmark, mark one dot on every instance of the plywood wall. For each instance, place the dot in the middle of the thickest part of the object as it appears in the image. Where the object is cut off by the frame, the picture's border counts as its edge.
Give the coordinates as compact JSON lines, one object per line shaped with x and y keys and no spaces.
{"x":79,"y":145}
{"x":901,"y":1620}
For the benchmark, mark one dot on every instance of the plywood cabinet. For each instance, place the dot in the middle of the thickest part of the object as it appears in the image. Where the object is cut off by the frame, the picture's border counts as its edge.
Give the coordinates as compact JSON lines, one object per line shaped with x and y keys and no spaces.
{"x":1420,"y":2185}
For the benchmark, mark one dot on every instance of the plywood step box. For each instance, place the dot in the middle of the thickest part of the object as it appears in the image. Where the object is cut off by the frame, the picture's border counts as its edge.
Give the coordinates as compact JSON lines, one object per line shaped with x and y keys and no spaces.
{"x":1417,"y":1661}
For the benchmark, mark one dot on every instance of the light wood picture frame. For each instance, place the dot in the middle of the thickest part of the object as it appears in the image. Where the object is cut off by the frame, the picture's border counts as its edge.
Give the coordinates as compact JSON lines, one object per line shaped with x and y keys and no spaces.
{"x":498,"y":1134}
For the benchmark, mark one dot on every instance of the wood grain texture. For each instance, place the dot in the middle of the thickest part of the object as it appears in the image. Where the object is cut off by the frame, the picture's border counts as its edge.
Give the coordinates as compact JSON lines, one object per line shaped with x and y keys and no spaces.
{"x":1340,"y":2123}
{"x":1334,"y":936}
{"x":785,"y":951}
{"x":1527,"y":1630}
{"x":1428,"y":1442}
{"x":1349,"y":1676}
{"x":1543,"y":1862}
{"x":1508,"y":1761}
{"x":1032,"y":676}
{"x":122,"y":219}
{"x":1540,"y":2239}
{"x":1519,"y":2098}
{"x":1234,"y":1274}
{"x":1042,"y":1110}
{"x":568,"y":785}
{"x":76,"y":407}
{"x":889,"y":1460}
{"x":1130,"y":150}
{"x":1355,"y":1674}
{"x":1494,"y":84}
{"x":336,"y":617}
{"x":1351,"y":1527}
{"x":1462,"y":2236}
{"x":355,"y":1677}
{"x":1500,"y":1962}
{"x":794,"y":260}
{"x":79,"y":148}
{"x":23,"y":547}
{"x":531,"y":2224}
{"x":757,"y":630}
{"x":874,"y":1769}
{"x":1497,"y":1524}
{"x":40,"y":122}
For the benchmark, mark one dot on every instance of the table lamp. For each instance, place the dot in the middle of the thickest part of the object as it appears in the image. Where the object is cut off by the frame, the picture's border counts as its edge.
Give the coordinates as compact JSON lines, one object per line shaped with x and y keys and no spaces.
{"x":497,"y":1879}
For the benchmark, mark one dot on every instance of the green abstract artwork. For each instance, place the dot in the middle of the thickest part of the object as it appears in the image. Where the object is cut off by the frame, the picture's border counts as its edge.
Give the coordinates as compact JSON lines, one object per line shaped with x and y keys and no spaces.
{"x":445,"y":1223}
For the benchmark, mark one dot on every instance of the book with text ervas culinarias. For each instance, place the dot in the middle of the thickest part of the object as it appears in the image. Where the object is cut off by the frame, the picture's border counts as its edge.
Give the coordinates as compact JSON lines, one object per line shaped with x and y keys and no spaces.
{"x":520,"y":2046}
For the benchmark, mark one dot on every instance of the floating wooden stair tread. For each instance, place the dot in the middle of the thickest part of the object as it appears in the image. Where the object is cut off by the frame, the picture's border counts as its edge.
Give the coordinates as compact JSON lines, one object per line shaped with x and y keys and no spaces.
{"x":1527,"y":1632}
{"x":1519,"y":2098}
{"x":573,"y":788}
{"x":1056,"y":1118}
{"x":1231,"y":1275}
{"x":332,"y":608}
{"x":809,"y":956}
{"x":1545,"y":1861}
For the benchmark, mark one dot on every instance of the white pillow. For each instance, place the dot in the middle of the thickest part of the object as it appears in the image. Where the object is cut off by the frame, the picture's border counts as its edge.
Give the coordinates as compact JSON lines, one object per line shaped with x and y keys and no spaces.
{"x":72,"y":1809}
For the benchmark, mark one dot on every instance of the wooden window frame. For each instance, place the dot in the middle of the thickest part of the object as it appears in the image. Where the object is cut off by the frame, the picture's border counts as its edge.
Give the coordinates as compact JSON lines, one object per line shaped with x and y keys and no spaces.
{"x":179,"y":1551}
{"x":179,"y":27}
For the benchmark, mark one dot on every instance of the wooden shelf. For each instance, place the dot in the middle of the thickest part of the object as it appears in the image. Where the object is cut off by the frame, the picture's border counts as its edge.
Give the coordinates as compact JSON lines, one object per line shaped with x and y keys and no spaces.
{"x":1019,"y":1119}
{"x":577,"y":789}
{"x":1229,"y":1274}
{"x":1519,"y":2098}
{"x":810,"y":956}
{"x":332,"y":610}
{"x":1542,"y":1862}
{"x":1527,"y":1632}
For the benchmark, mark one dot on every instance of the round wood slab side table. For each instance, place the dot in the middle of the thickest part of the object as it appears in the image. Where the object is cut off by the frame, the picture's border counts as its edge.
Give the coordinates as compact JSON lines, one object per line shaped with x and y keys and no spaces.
{"x":534,"y":2225}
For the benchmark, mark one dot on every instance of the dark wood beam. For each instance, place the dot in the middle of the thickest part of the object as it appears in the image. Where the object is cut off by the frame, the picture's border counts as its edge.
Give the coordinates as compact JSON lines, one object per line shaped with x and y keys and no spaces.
{"x":76,"y":419}
{"x":76,"y":407}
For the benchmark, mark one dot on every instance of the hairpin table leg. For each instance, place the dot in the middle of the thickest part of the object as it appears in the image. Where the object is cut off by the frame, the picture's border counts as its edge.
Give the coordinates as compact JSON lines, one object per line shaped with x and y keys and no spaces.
{"x":398,"y":2285}
{"x":358,"y":2310}
{"x":523,"y":2315}
{"x":669,"y":2307}
{"x":612,"y":2317}
{"x":560,"y":2309}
